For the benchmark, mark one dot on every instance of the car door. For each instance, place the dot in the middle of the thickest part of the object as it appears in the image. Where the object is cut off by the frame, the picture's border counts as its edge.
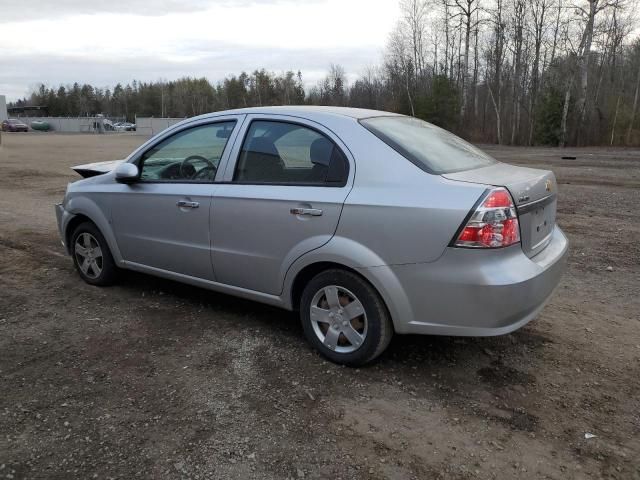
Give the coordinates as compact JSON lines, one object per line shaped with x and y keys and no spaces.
{"x":162,"y":220}
{"x":284,"y":188}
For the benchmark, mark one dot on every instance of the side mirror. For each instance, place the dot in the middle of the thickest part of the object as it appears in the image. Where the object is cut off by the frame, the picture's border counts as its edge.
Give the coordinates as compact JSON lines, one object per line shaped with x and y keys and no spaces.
{"x":126,"y":173}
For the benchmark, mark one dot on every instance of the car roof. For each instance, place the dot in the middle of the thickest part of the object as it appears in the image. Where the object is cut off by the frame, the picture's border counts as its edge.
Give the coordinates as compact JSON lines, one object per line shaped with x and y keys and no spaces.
{"x":307,"y":111}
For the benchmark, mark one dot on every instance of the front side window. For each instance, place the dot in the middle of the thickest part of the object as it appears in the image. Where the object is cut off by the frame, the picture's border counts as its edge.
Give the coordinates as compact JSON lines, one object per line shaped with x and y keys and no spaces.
{"x":191,"y":155}
{"x":288,"y":153}
{"x":429,"y":147}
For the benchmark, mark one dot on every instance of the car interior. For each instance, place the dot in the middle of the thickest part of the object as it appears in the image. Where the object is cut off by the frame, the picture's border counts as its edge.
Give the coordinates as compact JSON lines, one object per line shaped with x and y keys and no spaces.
{"x":272,"y":153}
{"x":261,"y":162}
{"x":278,"y":152}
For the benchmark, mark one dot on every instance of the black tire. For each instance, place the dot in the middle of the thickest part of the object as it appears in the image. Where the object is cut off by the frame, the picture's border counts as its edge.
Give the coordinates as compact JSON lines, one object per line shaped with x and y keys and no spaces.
{"x":108,"y":271}
{"x":379,"y":328}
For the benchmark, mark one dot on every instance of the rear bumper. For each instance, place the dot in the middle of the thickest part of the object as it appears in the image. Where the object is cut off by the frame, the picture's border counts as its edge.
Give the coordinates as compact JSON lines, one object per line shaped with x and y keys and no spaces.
{"x":472,"y":292}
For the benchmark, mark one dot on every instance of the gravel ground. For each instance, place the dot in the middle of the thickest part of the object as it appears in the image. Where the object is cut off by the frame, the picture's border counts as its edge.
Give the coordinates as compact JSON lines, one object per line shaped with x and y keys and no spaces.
{"x":153,"y":379}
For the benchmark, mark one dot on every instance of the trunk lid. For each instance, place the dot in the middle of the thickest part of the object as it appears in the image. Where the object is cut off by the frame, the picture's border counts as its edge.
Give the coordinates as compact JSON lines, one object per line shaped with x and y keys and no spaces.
{"x":534,"y":193}
{"x":97,"y":168}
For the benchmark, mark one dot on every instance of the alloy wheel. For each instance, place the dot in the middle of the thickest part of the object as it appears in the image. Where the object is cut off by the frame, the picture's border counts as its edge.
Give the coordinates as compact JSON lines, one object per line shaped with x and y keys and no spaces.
{"x":88,"y":255}
{"x":338,"y":319}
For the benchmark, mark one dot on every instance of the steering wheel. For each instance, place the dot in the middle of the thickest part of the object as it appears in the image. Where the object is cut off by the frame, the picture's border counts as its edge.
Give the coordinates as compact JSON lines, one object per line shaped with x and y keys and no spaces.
{"x":207,"y":173}
{"x":185,"y":173}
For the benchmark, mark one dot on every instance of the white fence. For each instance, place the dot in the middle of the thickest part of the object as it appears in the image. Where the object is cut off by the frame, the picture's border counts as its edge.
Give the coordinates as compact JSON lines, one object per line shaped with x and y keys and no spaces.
{"x":148,"y":126}
{"x":151,"y":126}
{"x":3,"y":108}
{"x":67,"y":125}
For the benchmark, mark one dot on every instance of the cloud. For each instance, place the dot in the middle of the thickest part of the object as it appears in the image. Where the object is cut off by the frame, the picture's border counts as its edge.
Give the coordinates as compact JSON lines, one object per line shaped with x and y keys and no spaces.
{"x":68,"y":41}
{"x":52,"y":9}
{"x":21,"y":74}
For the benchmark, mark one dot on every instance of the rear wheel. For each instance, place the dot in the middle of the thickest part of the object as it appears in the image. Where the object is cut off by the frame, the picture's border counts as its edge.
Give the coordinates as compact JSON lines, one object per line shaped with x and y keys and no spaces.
{"x":91,"y":255}
{"x":344,"y":318}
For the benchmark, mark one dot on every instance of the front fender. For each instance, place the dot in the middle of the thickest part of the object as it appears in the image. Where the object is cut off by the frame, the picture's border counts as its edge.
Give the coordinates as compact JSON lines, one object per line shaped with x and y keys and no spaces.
{"x":358,"y":257}
{"x":86,"y":206}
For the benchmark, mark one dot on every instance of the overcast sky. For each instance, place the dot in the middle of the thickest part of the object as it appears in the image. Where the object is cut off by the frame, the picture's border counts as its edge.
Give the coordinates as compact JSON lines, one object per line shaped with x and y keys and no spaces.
{"x":105,"y":42}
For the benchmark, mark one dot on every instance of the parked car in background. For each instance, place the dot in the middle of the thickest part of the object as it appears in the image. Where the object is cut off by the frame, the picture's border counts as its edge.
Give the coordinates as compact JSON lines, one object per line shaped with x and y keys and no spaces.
{"x":368,"y":223}
{"x":14,"y":125}
{"x":124,"y":127}
{"x":40,"y":126}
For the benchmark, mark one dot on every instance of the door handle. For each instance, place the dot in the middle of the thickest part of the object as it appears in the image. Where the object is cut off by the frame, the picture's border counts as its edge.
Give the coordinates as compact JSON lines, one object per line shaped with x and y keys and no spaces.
{"x":187,"y":204}
{"x":314,"y":212}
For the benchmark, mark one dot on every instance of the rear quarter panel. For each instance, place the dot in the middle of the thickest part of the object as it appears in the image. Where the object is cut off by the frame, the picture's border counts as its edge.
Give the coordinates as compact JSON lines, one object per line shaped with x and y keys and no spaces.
{"x":397,"y":211}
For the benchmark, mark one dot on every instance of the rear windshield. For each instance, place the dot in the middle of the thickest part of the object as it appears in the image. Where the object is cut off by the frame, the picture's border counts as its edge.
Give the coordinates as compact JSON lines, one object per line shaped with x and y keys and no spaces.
{"x":430,"y":148}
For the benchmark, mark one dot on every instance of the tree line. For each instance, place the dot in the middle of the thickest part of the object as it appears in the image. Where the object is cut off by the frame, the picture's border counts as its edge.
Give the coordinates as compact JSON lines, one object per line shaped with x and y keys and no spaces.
{"x":519,"y":72}
{"x":184,"y":97}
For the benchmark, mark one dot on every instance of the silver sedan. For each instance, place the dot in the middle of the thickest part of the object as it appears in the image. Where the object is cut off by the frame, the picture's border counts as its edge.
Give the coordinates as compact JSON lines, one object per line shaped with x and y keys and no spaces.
{"x":367,"y":223}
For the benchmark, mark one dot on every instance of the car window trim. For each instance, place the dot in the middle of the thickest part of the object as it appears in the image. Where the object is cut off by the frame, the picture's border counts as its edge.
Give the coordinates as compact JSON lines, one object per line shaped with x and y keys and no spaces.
{"x":282,"y":184}
{"x":238,"y":122}
{"x":285,"y":184}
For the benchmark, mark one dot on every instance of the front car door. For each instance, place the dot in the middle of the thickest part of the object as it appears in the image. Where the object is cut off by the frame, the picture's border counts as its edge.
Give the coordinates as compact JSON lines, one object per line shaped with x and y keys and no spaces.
{"x":282,"y":196}
{"x":162,"y":221}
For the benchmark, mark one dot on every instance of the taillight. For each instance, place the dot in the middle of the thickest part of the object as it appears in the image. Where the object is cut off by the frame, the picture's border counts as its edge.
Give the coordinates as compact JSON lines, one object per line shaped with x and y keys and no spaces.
{"x":493,"y":224}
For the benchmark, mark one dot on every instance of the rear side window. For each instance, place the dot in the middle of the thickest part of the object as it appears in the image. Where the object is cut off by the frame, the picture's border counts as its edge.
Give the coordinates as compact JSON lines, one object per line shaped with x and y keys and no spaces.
{"x":430,"y":148}
{"x":288,"y":153}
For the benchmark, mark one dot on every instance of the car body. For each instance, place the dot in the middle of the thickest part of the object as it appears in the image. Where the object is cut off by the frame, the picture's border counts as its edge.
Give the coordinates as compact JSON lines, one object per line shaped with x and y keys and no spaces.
{"x":14,"y":125}
{"x":124,"y":127}
{"x":40,"y":126}
{"x":342,"y":200}
{"x":109,"y":126}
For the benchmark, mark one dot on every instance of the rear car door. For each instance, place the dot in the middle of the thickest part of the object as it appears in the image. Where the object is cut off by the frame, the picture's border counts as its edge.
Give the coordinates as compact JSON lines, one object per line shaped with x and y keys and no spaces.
{"x":162,"y":220}
{"x":282,"y":196}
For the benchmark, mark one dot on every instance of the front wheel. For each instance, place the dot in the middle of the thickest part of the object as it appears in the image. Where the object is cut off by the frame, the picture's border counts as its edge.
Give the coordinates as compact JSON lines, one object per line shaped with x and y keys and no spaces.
{"x":344,"y":318}
{"x":91,"y":255}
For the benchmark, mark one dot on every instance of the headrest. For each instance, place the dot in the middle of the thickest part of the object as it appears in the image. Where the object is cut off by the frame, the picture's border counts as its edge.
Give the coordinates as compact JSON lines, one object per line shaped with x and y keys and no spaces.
{"x":263,"y":145}
{"x":320,"y":151}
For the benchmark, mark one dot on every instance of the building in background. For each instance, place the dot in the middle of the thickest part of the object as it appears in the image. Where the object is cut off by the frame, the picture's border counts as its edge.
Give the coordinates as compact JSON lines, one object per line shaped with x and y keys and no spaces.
{"x":29,"y":111}
{"x":3,"y":108}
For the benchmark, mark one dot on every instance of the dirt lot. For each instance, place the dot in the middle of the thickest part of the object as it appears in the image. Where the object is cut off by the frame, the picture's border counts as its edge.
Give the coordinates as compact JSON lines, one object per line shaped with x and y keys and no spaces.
{"x":152,"y":379}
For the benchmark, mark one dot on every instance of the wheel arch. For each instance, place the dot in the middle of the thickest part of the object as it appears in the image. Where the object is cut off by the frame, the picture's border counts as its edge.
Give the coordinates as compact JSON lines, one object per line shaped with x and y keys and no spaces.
{"x":77,"y":220}
{"x":84,"y":209}
{"x":306,"y":273}
{"x":346,"y":254}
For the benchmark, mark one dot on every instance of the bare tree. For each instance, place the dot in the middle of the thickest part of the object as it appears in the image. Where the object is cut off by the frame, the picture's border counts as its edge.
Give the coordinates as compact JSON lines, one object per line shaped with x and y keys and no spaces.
{"x":632,"y":118}
{"x":414,"y":18}
{"x":518,"y":20}
{"x":539,"y":10}
{"x":589,"y":13}
{"x":466,"y":10}
{"x":399,"y":63}
{"x":496,"y":57}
